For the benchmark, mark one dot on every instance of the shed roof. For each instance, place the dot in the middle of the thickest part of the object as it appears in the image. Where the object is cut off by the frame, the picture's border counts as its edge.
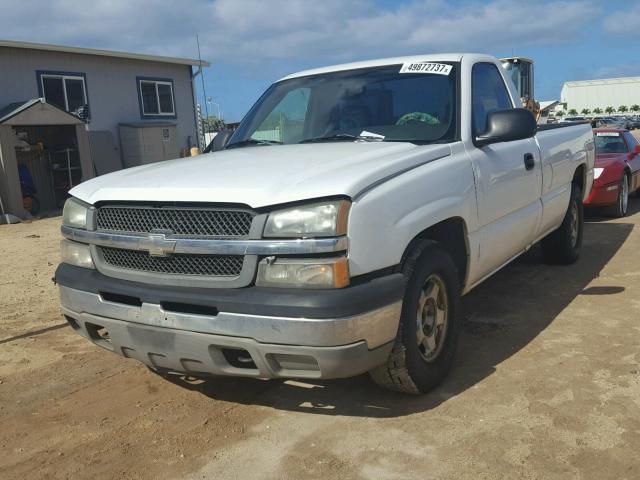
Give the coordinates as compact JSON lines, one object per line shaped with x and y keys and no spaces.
{"x":17,"y":113}
{"x":104,"y":53}
{"x":15,"y":108}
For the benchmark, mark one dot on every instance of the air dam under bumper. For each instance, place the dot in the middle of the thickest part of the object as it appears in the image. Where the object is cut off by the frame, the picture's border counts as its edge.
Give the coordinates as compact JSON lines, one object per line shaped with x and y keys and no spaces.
{"x":234,"y":343}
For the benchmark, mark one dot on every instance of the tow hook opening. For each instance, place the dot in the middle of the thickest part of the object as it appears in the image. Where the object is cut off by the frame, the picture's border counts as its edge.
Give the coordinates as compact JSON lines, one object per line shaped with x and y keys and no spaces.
{"x":99,"y":335}
{"x":238,"y":358}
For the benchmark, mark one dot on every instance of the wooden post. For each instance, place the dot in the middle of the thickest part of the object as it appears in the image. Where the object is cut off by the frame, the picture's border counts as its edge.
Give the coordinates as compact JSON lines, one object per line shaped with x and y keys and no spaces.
{"x":9,"y":177}
{"x":84,"y":151}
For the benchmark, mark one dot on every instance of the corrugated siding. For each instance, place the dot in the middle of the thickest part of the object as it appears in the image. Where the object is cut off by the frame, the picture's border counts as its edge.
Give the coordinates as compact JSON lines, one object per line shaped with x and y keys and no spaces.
{"x":601,"y":95}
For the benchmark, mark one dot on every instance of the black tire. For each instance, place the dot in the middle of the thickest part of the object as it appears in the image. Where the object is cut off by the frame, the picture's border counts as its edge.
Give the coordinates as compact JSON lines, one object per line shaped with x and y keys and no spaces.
{"x":621,"y":208}
{"x":410,"y":368}
{"x":563,"y":245}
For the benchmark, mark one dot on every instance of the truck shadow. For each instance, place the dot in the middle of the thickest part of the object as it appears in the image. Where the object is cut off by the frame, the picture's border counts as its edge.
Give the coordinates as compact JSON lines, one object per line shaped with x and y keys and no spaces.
{"x":499,"y":318}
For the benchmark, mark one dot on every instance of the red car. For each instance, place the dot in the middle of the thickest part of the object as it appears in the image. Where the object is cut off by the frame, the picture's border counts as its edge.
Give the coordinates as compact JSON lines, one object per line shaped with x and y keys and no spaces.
{"x":617,"y":170}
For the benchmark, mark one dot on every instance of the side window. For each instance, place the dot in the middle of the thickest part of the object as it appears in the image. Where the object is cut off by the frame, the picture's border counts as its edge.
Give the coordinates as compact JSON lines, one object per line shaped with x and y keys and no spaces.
{"x":156,"y":98}
{"x":286,"y":122}
{"x":488,"y":94}
{"x":65,"y":90}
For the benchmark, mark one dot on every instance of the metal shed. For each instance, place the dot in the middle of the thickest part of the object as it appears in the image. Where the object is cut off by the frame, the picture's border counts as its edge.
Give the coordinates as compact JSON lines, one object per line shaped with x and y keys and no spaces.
{"x":35,"y":114}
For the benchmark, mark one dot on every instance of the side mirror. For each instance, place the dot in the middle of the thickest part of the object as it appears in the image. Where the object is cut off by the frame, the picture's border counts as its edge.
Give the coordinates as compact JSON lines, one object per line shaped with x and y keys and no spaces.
{"x":507,"y":126}
{"x":219,"y":141}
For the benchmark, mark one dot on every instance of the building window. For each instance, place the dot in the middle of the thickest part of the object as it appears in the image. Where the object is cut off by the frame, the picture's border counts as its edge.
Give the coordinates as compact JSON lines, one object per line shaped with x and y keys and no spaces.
{"x":156,"y":98}
{"x":67,"y":91}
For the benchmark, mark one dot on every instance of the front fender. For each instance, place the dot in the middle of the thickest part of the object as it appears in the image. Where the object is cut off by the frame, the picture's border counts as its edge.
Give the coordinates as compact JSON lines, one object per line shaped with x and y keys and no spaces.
{"x":385,"y":220}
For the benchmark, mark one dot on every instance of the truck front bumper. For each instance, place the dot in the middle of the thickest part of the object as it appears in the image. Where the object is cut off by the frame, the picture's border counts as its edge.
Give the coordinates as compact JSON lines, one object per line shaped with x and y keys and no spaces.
{"x":302,"y":334}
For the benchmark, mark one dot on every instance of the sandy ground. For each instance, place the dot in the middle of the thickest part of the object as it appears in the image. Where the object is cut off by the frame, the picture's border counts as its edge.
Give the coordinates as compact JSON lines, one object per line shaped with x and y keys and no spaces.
{"x":546,"y":385}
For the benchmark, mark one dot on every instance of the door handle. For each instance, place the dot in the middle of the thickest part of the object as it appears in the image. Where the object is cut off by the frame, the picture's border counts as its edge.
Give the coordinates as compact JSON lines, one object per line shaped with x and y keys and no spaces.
{"x":529,"y":161}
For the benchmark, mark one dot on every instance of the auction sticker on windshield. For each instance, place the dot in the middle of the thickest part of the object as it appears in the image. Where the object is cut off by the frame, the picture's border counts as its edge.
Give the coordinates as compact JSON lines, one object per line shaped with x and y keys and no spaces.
{"x":426,"y":67}
{"x":607,"y":134}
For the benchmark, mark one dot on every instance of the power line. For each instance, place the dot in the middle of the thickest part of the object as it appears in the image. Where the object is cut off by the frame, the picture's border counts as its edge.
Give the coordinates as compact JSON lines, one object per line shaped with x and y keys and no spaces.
{"x":204,"y":92}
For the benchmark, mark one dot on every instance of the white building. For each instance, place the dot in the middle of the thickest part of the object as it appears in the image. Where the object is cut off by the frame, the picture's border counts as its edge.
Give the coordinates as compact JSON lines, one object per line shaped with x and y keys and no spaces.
{"x":591,"y":94}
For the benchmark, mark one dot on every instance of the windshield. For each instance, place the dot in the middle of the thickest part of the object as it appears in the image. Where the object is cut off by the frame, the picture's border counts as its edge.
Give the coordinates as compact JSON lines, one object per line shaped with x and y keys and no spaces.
{"x":610,"y":142}
{"x":378,"y":104}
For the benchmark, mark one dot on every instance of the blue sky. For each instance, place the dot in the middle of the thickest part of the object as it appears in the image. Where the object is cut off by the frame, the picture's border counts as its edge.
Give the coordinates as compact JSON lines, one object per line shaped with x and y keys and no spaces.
{"x":252,"y":43}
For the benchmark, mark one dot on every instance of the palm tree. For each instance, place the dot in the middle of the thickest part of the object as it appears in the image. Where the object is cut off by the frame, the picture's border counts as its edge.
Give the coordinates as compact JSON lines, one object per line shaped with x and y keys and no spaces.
{"x":622,"y":108}
{"x":635,"y":107}
{"x":573,"y":112}
{"x":585,"y":111}
{"x":597,"y":111}
{"x":609,"y":110}
{"x":559,"y":113}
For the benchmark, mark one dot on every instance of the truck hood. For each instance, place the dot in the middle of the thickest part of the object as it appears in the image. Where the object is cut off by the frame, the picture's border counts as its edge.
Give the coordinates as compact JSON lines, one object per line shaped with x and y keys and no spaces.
{"x":260,"y":176}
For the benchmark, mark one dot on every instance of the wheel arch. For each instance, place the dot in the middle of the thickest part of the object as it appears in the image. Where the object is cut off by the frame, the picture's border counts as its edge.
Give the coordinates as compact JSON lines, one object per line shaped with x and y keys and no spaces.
{"x":452,"y":235}
{"x":580,"y":177}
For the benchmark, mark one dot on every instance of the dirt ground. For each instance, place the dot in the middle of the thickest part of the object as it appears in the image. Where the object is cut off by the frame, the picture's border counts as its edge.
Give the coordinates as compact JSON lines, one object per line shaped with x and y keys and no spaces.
{"x":546,"y":386}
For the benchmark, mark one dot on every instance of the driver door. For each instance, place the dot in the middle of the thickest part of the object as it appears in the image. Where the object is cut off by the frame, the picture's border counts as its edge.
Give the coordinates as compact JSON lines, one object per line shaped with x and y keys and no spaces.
{"x":508,"y":178}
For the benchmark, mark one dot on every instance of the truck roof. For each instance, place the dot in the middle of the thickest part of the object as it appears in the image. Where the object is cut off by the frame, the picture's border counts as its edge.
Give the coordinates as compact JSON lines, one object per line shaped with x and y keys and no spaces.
{"x":440,"y":57}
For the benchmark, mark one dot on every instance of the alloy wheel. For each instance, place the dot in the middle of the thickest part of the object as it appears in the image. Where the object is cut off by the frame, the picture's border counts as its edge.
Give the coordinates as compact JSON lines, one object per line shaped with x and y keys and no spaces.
{"x":432,"y":318}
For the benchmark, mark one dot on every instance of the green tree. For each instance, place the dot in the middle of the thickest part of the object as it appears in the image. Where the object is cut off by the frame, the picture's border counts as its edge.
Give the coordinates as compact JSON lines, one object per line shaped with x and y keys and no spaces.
{"x":622,"y":108}
{"x":609,"y":109}
{"x":585,"y":111}
{"x":597,"y":111}
{"x":213,"y":124}
{"x":559,"y":113}
{"x":573,"y":112}
{"x":635,"y":107}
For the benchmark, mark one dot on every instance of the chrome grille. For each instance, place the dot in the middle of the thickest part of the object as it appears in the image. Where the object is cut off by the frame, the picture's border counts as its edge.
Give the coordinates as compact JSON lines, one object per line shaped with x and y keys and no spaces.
{"x":179,"y":221}
{"x":201,"y":265}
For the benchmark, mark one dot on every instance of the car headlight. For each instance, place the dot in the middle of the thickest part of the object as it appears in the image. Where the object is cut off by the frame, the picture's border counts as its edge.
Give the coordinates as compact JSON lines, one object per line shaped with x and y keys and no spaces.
{"x":597,"y":172}
{"x":323,"y":219}
{"x":74,"y":214}
{"x":304,"y":273}
{"x":77,"y":254}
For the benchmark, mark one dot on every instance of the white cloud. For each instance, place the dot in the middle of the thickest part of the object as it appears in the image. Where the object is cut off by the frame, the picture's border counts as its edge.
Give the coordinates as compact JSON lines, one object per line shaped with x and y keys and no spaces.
{"x":616,"y":71}
{"x":256,"y":31}
{"x":624,"y":22}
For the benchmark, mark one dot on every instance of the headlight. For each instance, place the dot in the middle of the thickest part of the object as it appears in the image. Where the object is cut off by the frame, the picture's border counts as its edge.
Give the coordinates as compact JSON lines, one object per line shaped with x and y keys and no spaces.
{"x":325,"y":219}
{"x":304,"y":273}
{"x":74,"y":214}
{"x":75,"y":253}
{"x":597,"y":172}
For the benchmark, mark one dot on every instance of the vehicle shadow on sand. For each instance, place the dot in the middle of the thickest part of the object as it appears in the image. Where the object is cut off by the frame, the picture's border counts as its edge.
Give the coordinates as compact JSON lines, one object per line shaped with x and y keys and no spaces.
{"x":499,"y":318}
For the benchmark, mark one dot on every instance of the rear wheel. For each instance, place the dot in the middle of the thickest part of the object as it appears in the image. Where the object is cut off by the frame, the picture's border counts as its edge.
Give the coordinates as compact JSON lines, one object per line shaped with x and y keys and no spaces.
{"x":427,"y":336}
{"x":563,"y":245}
{"x":621,"y":207}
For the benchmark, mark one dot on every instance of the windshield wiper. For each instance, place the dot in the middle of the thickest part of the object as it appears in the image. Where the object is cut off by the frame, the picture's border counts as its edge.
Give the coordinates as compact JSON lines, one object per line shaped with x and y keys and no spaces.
{"x":343,"y":137}
{"x":252,"y":142}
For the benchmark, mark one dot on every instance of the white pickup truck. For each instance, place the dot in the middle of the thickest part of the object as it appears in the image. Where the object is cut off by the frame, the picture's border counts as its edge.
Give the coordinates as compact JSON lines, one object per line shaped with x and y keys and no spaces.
{"x":335,"y":231}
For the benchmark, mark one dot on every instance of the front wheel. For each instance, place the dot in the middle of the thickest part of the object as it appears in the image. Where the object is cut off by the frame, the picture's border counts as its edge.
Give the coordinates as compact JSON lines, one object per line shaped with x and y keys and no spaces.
{"x":621,"y":207}
{"x":427,"y":336}
{"x":563,"y":245}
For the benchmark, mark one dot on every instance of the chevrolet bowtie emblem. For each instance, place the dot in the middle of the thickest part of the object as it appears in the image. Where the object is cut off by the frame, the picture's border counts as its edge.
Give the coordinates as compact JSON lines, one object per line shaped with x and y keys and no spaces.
{"x":157,"y":245}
